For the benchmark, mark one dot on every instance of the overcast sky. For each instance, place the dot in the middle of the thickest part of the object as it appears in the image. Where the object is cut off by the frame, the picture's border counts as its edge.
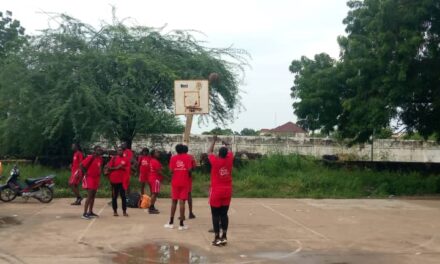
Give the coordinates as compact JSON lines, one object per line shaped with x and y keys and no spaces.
{"x":274,"y":32}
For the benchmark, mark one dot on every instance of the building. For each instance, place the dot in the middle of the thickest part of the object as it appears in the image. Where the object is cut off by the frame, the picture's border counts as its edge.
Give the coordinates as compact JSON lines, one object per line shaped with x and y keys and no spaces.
{"x":289,"y":129}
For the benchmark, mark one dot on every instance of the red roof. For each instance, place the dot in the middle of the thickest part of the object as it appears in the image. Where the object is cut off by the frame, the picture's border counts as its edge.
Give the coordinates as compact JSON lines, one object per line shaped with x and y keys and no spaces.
{"x":288,"y":127}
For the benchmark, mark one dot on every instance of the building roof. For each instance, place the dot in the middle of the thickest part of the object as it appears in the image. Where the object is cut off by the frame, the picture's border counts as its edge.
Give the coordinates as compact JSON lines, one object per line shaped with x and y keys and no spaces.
{"x":288,"y":127}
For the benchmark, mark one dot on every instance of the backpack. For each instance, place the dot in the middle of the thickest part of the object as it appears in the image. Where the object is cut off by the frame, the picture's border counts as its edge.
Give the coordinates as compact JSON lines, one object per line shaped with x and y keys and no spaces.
{"x":133,"y":200}
{"x":144,"y":202}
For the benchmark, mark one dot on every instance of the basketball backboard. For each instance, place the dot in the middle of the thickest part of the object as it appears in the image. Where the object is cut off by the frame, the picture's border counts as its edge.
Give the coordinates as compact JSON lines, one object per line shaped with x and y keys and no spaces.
{"x":191,"y":97}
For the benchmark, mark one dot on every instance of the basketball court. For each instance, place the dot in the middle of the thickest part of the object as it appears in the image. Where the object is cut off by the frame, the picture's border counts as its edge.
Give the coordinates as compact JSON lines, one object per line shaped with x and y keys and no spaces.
{"x":261,"y":231}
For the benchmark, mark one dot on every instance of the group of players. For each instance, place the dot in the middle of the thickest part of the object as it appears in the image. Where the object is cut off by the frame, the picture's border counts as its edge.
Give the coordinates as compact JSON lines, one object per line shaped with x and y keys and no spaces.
{"x":87,"y":172}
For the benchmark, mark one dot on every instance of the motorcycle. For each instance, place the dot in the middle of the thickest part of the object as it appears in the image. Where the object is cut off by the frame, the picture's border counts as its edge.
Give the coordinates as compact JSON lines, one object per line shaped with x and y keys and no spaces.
{"x":39,"y":188}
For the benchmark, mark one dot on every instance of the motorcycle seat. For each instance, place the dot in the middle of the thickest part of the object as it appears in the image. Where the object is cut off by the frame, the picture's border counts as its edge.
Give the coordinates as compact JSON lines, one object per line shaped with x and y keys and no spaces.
{"x":31,"y":181}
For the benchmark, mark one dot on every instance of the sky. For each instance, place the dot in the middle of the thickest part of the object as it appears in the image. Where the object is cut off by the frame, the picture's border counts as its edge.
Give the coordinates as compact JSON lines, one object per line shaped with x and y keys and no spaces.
{"x":274,"y":33}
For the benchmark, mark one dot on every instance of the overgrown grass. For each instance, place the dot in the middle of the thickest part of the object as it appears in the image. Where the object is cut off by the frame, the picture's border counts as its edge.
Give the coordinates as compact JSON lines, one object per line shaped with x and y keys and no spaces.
{"x":283,"y":176}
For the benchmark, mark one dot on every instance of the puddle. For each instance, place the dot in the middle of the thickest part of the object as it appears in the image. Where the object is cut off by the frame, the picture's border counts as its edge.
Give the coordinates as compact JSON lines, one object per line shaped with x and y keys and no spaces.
{"x":158,"y":253}
{"x":8,"y":221}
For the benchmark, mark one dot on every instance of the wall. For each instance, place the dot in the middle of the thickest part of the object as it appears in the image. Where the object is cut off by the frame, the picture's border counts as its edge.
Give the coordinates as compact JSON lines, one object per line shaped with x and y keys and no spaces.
{"x":383,"y":149}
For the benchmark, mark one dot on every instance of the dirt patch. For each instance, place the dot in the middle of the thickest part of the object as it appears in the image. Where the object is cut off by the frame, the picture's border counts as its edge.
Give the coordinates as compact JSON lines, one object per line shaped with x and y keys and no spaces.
{"x":7,"y":221}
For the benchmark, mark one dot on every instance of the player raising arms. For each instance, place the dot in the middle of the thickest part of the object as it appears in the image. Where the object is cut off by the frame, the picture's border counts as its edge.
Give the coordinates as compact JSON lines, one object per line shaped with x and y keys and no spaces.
{"x":144,"y":168}
{"x":76,"y":173}
{"x":154,"y":179}
{"x":221,"y":190}
{"x":91,"y":167}
{"x":180,"y":166}
{"x":117,"y":168}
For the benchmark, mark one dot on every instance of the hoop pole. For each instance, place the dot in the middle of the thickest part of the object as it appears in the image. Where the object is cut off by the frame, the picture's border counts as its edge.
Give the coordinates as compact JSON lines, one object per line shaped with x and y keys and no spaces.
{"x":189,"y":120}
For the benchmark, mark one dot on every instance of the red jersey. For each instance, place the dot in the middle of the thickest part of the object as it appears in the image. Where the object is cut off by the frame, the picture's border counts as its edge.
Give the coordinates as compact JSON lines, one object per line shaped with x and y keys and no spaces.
{"x":128,"y":155}
{"x":155,"y":168}
{"x":117,"y":176}
{"x":180,"y":165}
{"x":76,"y":161}
{"x":221,"y":170}
{"x":144,"y":165}
{"x":93,"y":167}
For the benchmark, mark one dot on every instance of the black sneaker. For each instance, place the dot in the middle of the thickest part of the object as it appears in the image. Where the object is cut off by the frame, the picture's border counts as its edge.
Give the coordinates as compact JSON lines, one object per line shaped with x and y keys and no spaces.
{"x":93,"y":215}
{"x":223,"y":241}
{"x":217,"y":242}
{"x":86,"y":217}
{"x":191,"y":216}
{"x":153,"y":211}
{"x":77,"y":202}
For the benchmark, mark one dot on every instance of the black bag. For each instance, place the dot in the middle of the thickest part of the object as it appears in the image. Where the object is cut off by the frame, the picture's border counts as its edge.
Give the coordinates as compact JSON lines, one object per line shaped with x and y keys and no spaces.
{"x":133,"y":200}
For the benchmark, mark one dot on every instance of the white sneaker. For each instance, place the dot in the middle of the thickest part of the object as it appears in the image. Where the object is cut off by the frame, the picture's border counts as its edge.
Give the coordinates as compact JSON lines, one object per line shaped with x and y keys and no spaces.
{"x":181,"y":228}
{"x":168,"y":226}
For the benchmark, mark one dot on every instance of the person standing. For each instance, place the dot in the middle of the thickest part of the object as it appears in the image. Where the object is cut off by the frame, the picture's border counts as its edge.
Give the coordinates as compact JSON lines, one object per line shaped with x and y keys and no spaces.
{"x":155,"y":179}
{"x":76,"y":174}
{"x":144,"y":168}
{"x":221,"y":190}
{"x":128,"y":155}
{"x":117,"y":169}
{"x":91,"y":167}
{"x":190,"y":201}
{"x":180,"y":165}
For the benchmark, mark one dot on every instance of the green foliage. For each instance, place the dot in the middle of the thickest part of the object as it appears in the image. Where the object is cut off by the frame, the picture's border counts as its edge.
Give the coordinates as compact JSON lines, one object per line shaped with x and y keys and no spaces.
{"x":249,"y":132}
{"x":219,"y":131}
{"x":76,"y":82}
{"x":282,"y":176}
{"x":388,"y":70}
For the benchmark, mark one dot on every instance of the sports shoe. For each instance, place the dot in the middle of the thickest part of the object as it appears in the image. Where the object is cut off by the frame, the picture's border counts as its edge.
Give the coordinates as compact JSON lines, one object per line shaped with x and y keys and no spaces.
{"x":217,"y":242}
{"x":170,"y":226}
{"x":86,"y":217}
{"x":223,"y":241}
{"x":93,"y":215}
{"x":184,"y":227}
{"x":191,"y":216}
{"x":77,"y":201}
{"x":153,"y":211}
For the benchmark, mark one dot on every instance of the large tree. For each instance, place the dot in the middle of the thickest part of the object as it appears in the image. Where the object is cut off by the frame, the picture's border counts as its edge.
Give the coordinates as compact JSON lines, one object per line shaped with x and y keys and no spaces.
{"x":389,"y":71}
{"x":114,"y":81}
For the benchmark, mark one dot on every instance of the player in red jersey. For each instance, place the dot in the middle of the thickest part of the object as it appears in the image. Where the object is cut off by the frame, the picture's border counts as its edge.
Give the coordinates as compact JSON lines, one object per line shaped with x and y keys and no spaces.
{"x":154,"y":179}
{"x":221,"y":190}
{"x":91,"y":167}
{"x":75,"y":172}
{"x":128,"y":155}
{"x":190,"y":201}
{"x":180,"y":165}
{"x":144,"y":168}
{"x":117,"y":168}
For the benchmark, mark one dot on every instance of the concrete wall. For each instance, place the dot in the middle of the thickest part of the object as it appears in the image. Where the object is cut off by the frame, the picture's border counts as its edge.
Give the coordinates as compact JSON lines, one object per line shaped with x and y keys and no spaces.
{"x":383,"y":149}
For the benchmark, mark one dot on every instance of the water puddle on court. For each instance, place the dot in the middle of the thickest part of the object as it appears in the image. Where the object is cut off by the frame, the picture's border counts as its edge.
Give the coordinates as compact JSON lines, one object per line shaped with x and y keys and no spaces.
{"x":9,"y":221}
{"x":158,"y":253}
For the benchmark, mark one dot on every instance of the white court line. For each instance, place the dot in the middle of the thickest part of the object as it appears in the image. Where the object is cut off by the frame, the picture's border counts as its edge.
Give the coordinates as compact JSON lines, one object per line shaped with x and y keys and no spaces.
{"x":295,"y":222}
{"x":90,"y":225}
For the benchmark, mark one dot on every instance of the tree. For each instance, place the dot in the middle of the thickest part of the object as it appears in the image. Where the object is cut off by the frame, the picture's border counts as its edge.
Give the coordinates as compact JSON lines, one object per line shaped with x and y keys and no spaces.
{"x":114,"y":81}
{"x":388,"y":71}
{"x":220,"y":131}
{"x":248,"y":132}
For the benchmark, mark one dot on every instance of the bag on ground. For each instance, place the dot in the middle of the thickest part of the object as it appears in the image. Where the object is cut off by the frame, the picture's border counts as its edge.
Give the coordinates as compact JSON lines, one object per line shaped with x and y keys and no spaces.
{"x":145,"y":201}
{"x":133,"y":200}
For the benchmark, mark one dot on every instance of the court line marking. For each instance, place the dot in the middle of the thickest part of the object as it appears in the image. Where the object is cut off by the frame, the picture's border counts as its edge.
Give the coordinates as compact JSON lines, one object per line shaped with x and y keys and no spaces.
{"x":295,"y":222}
{"x":79,"y":239}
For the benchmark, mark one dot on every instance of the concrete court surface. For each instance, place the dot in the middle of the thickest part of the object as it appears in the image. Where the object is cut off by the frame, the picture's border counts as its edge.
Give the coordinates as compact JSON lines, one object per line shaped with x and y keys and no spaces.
{"x":261,"y":231}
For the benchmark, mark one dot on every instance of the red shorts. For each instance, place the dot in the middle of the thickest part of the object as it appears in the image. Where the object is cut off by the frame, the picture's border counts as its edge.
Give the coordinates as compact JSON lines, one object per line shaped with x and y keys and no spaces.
{"x":90,"y":183}
{"x":75,"y":178}
{"x":143,"y":177}
{"x":154,"y":185}
{"x":179,"y":192}
{"x":126,"y":181}
{"x":220,"y":196}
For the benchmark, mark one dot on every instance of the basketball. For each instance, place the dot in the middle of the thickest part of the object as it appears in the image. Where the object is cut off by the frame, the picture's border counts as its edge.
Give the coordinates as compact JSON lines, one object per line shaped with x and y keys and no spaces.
{"x":213,"y":77}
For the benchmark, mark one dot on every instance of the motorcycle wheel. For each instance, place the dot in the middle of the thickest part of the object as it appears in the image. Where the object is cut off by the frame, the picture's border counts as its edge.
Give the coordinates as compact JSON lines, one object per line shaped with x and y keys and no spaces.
{"x":7,"y":195}
{"x":46,"y":194}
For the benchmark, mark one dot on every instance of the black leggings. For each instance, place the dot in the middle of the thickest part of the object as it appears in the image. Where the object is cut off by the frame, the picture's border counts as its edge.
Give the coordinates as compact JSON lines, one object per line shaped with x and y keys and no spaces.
{"x":220,"y":218}
{"x":116,"y":190}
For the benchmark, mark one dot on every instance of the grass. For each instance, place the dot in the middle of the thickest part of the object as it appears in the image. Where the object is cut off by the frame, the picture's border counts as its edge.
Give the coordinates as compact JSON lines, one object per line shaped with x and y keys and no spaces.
{"x":281,"y":176}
